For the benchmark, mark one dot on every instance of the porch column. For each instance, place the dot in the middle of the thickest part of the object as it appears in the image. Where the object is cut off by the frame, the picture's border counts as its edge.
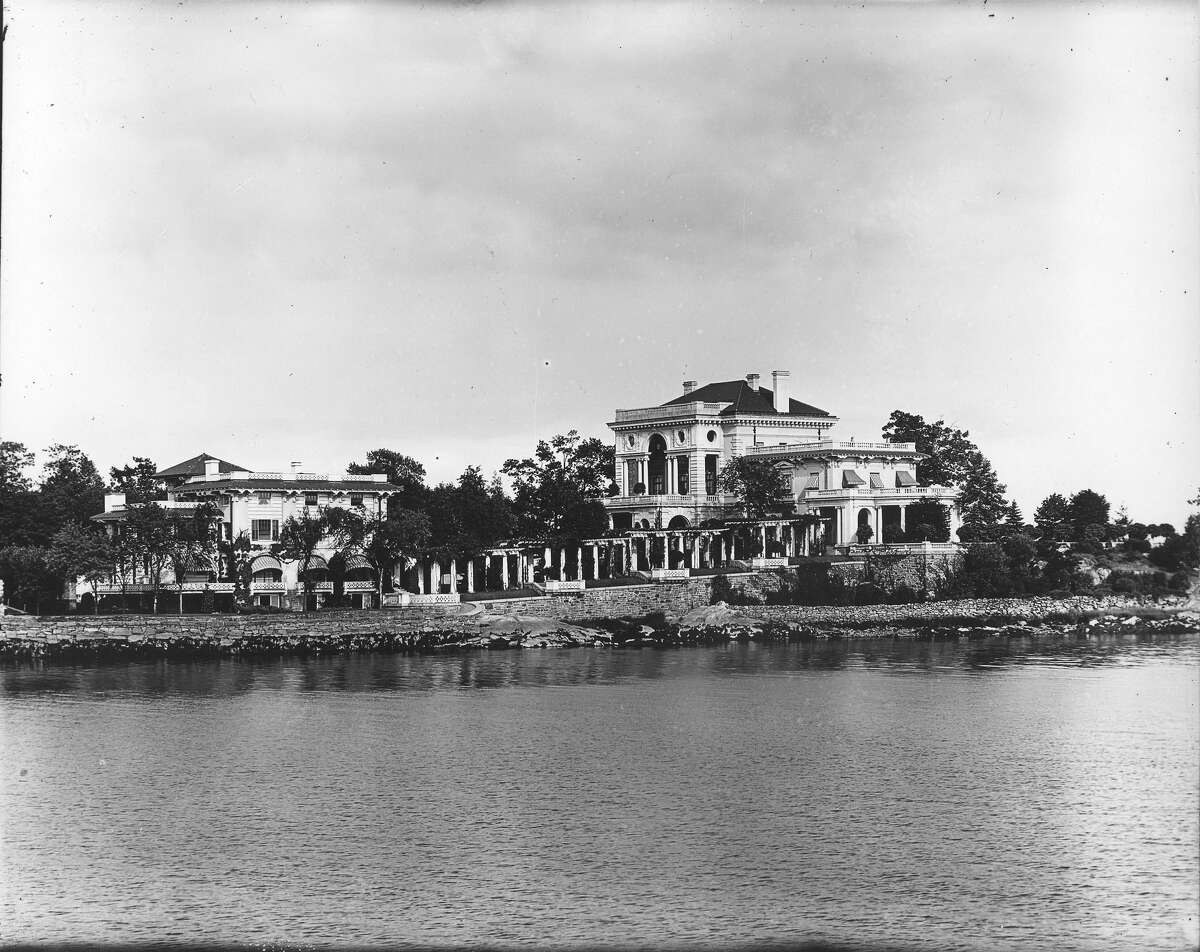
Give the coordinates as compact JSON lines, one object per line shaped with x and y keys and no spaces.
{"x":453,"y":576}
{"x":903,"y":513}
{"x":504,"y":572}
{"x":562,"y":563}
{"x":695,"y":552}
{"x":955,"y":524}
{"x":471,"y":575}
{"x":877,"y":513}
{"x":762,"y":533}
{"x":579,"y":563}
{"x":435,"y":578}
{"x":420,"y":576}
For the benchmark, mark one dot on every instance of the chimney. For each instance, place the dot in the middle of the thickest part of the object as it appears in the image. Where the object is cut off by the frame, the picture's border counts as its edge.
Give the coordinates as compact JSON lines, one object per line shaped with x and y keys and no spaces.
{"x":296,"y":464}
{"x":779,"y":383}
{"x":689,"y":386}
{"x":212,"y":468}
{"x":752,"y":379}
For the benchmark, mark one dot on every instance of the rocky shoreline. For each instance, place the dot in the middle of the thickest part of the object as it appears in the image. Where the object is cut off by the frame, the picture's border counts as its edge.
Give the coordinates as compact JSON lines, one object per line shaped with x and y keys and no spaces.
{"x":211,"y":637}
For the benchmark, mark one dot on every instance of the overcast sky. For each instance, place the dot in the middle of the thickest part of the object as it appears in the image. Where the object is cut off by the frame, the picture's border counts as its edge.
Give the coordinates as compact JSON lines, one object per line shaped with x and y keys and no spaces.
{"x":301,"y":231}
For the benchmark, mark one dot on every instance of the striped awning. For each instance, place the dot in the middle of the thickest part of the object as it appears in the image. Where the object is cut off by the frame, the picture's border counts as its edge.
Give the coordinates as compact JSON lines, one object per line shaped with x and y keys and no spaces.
{"x":316,"y":563}
{"x":263,"y":562}
{"x":876,"y":481}
{"x":358,"y":562}
{"x":904,"y":478}
{"x":850,"y":479}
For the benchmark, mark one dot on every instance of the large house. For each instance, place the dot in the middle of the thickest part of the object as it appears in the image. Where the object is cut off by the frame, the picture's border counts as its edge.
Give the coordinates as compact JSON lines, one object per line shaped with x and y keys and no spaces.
{"x":255,"y":505}
{"x":669,"y":457}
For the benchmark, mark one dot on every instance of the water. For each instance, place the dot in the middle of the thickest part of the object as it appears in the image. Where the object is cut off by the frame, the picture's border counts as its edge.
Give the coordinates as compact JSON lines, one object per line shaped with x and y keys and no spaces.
{"x":969,"y":795}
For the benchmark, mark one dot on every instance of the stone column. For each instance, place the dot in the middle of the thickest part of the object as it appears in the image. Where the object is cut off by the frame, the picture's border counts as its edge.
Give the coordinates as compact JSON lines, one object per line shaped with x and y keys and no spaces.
{"x":420,"y":577}
{"x":470,"y":575}
{"x":435,"y":578}
{"x":453,"y":576}
{"x":504,"y":571}
{"x":695,"y":552}
{"x":903,"y":517}
{"x":579,"y":563}
{"x":762,"y":533}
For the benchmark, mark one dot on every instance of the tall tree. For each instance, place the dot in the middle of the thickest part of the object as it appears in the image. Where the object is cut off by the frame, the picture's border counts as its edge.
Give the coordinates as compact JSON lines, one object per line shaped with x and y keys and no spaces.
{"x":149,"y":534}
{"x":23,"y":519}
{"x":1087,"y":508}
{"x":949,"y":451}
{"x":400,"y":470}
{"x":467,"y":517}
{"x":70,"y":485}
{"x":136,"y":481}
{"x":1052,"y":517}
{"x":927,"y":521}
{"x":193,"y":545}
{"x":28,"y":576}
{"x":553,"y":489}
{"x":759,"y":483}
{"x":384,"y":542}
{"x":82,"y":553}
{"x":299,"y":538}
{"x":981,"y":502}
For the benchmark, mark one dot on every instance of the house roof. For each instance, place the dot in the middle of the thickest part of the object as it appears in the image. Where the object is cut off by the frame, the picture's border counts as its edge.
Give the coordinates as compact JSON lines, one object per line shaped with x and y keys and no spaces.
{"x":743,"y":399}
{"x":195,"y":467}
{"x":288,"y":485}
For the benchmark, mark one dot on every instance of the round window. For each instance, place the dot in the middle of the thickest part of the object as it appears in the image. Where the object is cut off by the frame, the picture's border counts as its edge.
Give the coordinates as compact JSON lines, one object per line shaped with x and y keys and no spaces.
{"x":712,"y":436}
{"x":631,"y":440}
{"x":681,"y":436}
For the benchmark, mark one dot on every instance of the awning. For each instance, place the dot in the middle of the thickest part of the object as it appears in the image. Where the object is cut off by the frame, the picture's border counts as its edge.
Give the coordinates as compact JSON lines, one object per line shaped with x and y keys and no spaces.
{"x":876,"y":481}
{"x":316,"y":563}
{"x":850,"y":479}
{"x":263,"y":562}
{"x":358,"y":562}
{"x":904,"y":478}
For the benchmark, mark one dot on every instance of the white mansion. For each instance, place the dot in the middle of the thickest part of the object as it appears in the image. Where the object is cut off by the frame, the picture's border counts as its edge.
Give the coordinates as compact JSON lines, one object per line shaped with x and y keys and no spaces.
{"x":668,"y":459}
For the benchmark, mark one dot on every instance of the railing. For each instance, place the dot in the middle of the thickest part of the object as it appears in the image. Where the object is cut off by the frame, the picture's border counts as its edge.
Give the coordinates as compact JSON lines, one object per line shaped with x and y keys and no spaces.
{"x":825,"y":445}
{"x":903,"y":548}
{"x":290,"y":477}
{"x":358,"y":586}
{"x":660,"y":575}
{"x":262,"y":587}
{"x":647,"y":499}
{"x":680,"y":411}
{"x":436,"y":598}
{"x":161,"y":503}
{"x":933,"y":492}
{"x":135,"y":588}
{"x":762,"y":563}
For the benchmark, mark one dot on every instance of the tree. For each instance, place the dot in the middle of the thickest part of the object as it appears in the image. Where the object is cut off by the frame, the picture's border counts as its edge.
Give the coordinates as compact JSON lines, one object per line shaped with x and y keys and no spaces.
{"x":70,"y":486}
{"x":22,"y":513}
{"x":928,"y":521}
{"x":1052,"y":518}
{"x":550,"y":488}
{"x":193,"y":544}
{"x":387,"y":542}
{"x":237,"y":557}
{"x":759,"y":483}
{"x":401,"y":471}
{"x":299,"y":538}
{"x":149,"y":535}
{"x":84,"y":553}
{"x":948,"y":450}
{"x":1087,"y":508}
{"x":467,"y":517}
{"x":136,"y":481}
{"x":28,"y":577}
{"x":864,"y":533}
{"x":981,"y":501}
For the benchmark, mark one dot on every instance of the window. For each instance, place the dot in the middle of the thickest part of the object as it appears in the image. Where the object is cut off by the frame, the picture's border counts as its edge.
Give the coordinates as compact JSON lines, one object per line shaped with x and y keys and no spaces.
{"x":264,"y":499}
{"x":681,"y":436}
{"x":712,"y":436}
{"x":356,"y":499}
{"x":683,"y":476}
{"x":264,"y":530}
{"x":310,"y":499}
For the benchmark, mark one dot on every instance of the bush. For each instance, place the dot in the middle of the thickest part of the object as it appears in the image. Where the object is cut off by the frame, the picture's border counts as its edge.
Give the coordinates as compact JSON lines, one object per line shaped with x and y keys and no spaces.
{"x":904,"y":595}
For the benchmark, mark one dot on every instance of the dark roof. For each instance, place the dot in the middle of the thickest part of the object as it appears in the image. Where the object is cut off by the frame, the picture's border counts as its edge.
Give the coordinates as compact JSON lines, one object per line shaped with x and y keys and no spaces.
{"x":744,"y":400}
{"x":290,"y":485}
{"x":119,"y":515}
{"x":195,"y":467}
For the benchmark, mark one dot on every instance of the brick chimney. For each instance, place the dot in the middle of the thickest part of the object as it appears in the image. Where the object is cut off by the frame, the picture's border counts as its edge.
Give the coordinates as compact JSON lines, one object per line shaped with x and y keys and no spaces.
{"x":296,"y":464}
{"x":779,"y":384}
{"x":689,"y":386}
{"x":752,"y":379}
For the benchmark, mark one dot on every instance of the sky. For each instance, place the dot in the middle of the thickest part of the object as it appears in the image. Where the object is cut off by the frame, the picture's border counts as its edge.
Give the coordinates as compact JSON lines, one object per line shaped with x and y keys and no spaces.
{"x":300,"y":231}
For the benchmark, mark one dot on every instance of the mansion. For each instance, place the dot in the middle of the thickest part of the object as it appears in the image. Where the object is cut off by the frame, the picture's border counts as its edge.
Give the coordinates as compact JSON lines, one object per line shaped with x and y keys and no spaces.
{"x":255,"y":505}
{"x":669,"y":457}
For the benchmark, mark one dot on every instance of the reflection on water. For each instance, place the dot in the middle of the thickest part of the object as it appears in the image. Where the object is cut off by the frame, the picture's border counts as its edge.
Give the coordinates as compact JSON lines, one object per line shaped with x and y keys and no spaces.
{"x":1025,"y":793}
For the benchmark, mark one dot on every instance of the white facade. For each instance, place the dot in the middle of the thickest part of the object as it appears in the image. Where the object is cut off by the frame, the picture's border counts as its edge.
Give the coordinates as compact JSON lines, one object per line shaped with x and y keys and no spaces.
{"x":669,"y":457}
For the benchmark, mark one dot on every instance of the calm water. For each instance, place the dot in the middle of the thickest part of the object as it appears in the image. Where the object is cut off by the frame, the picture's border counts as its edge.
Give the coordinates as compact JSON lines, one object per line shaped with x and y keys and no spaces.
{"x":996,"y":795}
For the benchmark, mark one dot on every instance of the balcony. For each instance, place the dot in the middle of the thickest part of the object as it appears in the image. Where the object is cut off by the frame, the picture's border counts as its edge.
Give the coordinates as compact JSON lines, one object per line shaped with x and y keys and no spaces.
{"x":134,"y":588}
{"x":827,"y":446}
{"x":682,"y":411}
{"x":897,"y":492}
{"x":665,"y":500}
